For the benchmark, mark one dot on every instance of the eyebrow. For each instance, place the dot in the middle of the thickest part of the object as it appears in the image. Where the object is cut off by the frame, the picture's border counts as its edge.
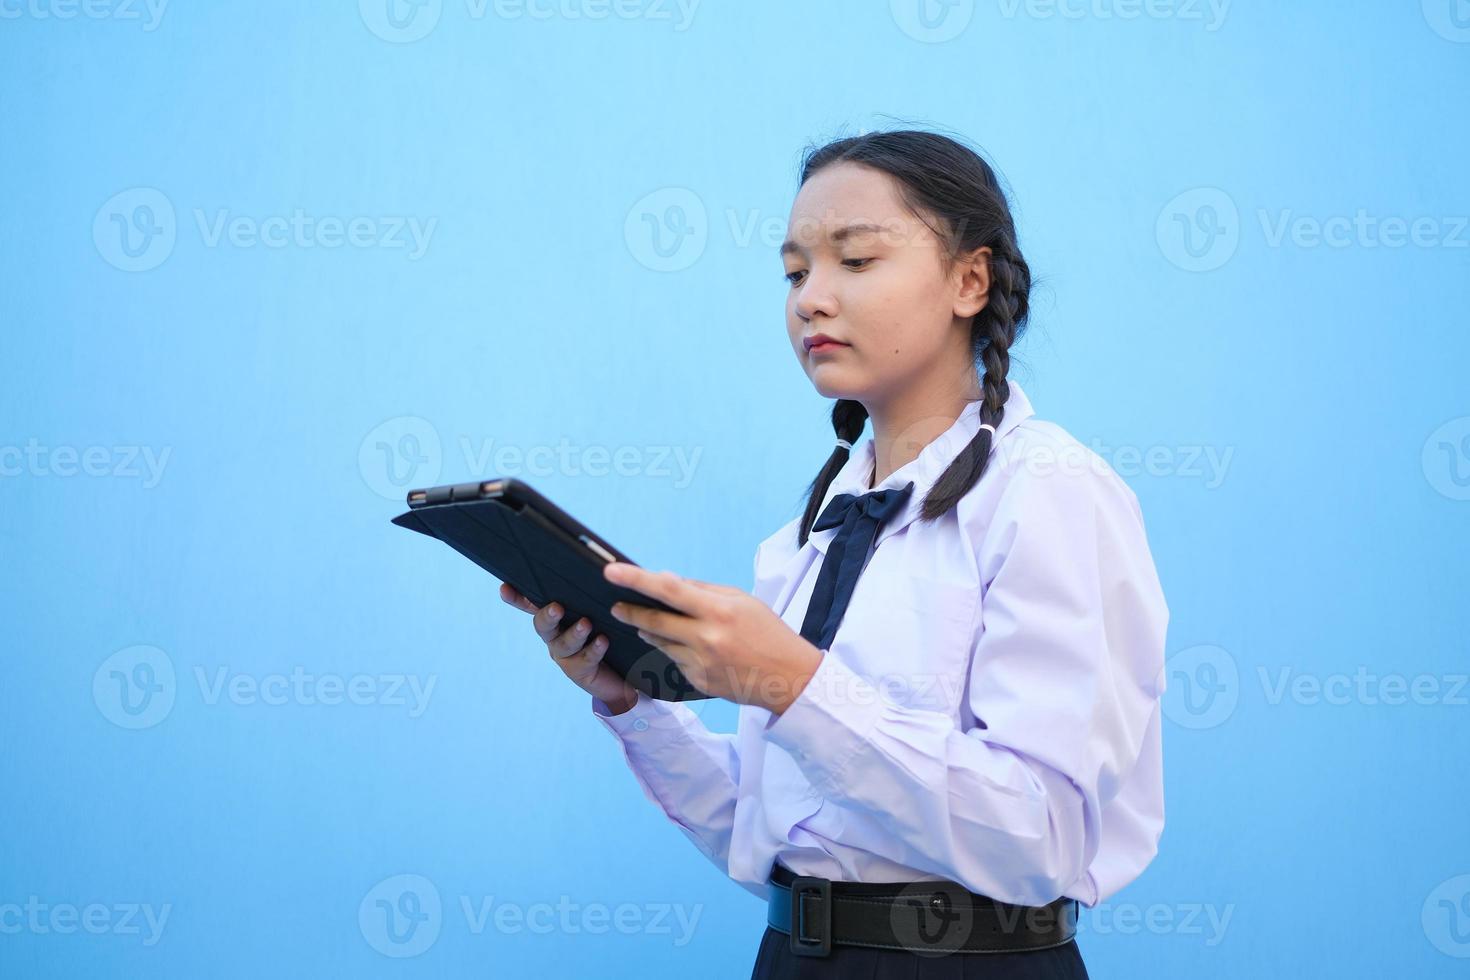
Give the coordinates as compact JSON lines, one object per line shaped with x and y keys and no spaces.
{"x":846,"y":231}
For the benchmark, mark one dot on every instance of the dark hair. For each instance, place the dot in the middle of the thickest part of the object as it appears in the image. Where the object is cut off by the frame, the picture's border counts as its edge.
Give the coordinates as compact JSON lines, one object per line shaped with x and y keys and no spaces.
{"x":941,"y":178}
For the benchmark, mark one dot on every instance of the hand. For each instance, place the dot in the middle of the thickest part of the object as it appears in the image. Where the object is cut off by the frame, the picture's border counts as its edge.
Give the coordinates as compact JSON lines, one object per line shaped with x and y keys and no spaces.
{"x":727,"y":642}
{"x":580,"y":660}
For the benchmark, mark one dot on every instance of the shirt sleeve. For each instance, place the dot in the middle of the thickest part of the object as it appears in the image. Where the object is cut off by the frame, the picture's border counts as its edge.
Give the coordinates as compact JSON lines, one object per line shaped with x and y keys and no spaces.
{"x":1065,"y":674}
{"x":691,"y":773}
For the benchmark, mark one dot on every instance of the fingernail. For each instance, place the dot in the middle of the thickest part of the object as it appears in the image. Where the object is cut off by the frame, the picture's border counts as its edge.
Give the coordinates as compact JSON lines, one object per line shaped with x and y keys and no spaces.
{"x":581,"y":627}
{"x":554,"y":611}
{"x":617,"y":610}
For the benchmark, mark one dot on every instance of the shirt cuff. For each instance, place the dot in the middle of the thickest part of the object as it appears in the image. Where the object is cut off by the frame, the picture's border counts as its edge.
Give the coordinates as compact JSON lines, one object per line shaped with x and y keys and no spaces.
{"x":828,"y":723}
{"x":635,"y":719}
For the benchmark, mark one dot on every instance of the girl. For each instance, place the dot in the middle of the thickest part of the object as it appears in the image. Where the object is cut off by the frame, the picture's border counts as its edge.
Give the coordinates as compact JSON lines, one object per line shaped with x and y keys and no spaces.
{"x":951,"y":663}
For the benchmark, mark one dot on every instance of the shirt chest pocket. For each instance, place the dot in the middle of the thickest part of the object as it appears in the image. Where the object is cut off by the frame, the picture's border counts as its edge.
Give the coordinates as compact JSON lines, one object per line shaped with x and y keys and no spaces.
{"x":912,"y":638}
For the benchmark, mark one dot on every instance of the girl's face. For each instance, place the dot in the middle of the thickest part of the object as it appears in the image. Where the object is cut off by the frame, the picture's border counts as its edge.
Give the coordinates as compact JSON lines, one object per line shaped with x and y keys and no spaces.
{"x":867,"y":273}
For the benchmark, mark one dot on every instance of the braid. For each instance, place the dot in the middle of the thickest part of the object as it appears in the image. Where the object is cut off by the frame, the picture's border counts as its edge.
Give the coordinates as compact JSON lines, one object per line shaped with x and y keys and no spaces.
{"x":848,"y":418}
{"x":993,"y":332}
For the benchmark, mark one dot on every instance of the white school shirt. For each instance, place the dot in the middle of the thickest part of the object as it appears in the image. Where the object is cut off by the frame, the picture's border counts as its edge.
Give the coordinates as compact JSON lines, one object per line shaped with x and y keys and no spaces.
{"x":988,"y":711}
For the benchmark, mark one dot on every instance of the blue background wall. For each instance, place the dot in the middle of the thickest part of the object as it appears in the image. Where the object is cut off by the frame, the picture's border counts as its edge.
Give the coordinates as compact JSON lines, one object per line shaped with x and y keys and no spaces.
{"x":1250,"y":222}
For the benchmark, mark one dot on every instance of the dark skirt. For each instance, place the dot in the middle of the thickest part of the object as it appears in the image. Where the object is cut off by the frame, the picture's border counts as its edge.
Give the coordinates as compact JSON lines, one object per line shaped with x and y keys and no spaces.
{"x":775,"y":961}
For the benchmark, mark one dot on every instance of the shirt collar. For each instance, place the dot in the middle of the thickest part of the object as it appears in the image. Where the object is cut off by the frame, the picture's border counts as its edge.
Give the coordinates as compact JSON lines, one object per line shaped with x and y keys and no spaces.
{"x":924,"y":470}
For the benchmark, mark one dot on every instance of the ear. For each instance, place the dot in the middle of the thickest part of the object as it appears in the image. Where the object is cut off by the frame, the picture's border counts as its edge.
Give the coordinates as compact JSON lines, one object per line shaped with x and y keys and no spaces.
{"x":972,"y":273}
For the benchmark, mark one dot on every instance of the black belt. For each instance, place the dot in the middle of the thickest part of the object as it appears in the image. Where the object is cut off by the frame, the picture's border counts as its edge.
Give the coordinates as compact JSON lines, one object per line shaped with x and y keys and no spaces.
{"x":933,"y":917}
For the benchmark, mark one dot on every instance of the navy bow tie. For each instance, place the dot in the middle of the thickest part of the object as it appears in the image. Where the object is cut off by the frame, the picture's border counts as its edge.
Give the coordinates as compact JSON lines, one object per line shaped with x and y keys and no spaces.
{"x":847,"y":553}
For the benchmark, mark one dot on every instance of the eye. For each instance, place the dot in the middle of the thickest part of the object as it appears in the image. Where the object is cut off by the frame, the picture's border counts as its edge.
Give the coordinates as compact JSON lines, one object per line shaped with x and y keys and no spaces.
{"x":854,"y":264}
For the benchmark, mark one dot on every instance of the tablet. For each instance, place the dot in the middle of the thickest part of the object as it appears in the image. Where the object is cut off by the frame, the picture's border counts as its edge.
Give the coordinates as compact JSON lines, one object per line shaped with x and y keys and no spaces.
{"x":520,"y":537}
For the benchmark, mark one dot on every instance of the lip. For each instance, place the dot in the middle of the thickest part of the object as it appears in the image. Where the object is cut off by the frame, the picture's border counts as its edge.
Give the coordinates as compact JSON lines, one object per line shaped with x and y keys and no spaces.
{"x":821,"y":343}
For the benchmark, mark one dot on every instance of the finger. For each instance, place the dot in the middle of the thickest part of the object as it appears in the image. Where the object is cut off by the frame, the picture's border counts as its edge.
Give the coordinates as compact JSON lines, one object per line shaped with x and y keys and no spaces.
{"x":672,"y":626}
{"x":547,"y":619}
{"x":715,"y":587}
{"x":659,"y":637}
{"x":597,"y":649}
{"x":664,"y":586}
{"x":683,"y":657}
{"x":664,"y":643}
{"x":512,"y":597}
{"x":572,"y":639}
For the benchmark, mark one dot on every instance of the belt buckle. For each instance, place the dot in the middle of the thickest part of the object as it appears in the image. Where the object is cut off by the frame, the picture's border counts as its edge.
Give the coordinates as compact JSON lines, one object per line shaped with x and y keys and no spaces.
{"x":821,"y":945}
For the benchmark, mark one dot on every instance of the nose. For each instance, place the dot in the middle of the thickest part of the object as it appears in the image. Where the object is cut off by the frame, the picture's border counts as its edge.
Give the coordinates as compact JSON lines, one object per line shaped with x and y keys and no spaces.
{"x":813,"y":296}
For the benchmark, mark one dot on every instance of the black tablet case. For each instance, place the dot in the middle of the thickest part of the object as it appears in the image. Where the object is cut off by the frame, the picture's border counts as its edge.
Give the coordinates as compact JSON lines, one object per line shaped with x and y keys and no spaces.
{"x":522,"y":538}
